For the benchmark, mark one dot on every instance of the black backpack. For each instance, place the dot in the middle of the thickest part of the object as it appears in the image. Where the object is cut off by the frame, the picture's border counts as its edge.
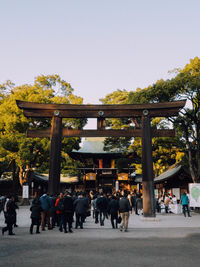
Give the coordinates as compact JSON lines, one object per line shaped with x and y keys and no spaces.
{"x":60,"y":205}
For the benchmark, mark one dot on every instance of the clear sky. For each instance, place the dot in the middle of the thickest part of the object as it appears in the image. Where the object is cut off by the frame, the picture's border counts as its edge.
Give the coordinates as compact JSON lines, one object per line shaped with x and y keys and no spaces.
{"x":97,"y":45}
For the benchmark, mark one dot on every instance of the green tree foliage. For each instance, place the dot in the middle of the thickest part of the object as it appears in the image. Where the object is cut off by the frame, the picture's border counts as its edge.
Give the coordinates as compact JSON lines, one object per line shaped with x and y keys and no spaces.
{"x":185,"y":84}
{"x":29,"y":152}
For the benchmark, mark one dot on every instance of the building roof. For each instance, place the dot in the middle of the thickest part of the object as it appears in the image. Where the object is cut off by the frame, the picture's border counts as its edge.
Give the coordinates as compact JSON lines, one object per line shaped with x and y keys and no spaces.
{"x":45,"y":178}
{"x":169,"y":173}
{"x":94,"y":146}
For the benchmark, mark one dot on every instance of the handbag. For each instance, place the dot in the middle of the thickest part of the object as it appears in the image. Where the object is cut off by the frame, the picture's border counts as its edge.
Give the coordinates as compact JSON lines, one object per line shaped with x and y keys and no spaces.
{"x":88,"y":213}
{"x":119,"y":219}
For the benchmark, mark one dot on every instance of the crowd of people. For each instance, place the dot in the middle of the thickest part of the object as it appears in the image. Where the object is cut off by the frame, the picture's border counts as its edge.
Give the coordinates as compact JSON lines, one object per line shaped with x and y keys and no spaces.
{"x":48,"y":212}
{"x":163,"y":203}
{"x":62,"y":210}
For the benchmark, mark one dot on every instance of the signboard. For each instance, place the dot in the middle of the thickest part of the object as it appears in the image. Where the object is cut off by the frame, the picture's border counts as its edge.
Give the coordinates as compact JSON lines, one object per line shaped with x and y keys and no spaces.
{"x":123,"y":177}
{"x":90,"y":176}
{"x":175,"y":208}
{"x":156,"y":193}
{"x":106,"y":172}
{"x":194,"y":191}
{"x":176,"y":192}
{"x":117,"y":186}
{"x":25,"y":193}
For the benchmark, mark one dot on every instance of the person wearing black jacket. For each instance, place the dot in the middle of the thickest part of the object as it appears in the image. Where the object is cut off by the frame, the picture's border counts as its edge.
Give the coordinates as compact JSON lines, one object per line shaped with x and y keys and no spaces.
{"x":10,"y":216}
{"x":80,"y":206}
{"x":35,"y":215}
{"x":102,"y":205}
{"x":113,"y":208}
{"x":53,"y":214}
{"x":68,"y":212}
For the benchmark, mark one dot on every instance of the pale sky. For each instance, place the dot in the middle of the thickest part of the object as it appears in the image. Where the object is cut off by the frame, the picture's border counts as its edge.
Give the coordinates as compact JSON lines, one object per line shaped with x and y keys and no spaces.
{"x":98,"y":46}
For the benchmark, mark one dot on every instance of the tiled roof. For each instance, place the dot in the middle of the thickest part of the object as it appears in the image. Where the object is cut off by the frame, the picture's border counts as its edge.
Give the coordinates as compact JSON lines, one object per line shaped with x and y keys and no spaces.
{"x":94,"y":146}
{"x":63,"y":179}
{"x":168,"y":174}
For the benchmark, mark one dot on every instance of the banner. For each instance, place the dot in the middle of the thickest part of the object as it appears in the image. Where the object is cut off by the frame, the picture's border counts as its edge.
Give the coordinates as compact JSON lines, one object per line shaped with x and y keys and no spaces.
{"x":194,"y":191}
{"x":90,"y":176}
{"x":25,"y":193}
{"x":176,"y":192}
{"x":123,"y":177}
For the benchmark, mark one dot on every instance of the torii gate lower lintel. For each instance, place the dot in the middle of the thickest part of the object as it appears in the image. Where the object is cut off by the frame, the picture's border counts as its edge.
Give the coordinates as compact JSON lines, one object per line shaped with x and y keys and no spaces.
{"x":101,"y":112}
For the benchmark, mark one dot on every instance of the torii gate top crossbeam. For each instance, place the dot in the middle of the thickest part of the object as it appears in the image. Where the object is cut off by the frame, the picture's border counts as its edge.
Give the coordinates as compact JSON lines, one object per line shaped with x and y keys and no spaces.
{"x":39,"y":110}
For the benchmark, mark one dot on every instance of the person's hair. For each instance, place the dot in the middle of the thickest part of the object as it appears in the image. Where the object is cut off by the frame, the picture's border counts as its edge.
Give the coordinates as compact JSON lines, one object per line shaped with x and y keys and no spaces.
{"x":125,"y":194}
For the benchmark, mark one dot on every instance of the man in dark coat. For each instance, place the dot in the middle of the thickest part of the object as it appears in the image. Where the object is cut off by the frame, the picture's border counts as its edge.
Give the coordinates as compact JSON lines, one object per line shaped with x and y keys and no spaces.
{"x":102,"y":205}
{"x":68,"y":212}
{"x":80,"y":206}
{"x":113,"y":209}
{"x":10,"y":215}
{"x":36,"y":210}
{"x":53,"y":214}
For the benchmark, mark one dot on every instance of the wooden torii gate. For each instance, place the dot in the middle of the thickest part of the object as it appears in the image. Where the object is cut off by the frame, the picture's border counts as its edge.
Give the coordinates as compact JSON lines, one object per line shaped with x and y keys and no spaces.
{"x":101,"y":112}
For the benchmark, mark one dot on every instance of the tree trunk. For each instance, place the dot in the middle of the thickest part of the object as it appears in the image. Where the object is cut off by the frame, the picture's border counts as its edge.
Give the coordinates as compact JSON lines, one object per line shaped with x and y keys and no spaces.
{"x":14,"y":178}
{"x":21,"y":172}
{"x":191,"y":167}
{"x":198,"y":152}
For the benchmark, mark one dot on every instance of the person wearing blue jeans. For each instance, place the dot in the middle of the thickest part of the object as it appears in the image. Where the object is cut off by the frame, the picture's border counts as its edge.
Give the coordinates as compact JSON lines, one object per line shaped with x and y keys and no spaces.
{"x":185,"y":203}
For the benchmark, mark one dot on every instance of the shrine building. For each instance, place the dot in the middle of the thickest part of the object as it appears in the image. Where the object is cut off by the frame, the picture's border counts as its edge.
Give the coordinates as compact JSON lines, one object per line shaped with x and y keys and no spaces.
{"x":100,"y":169}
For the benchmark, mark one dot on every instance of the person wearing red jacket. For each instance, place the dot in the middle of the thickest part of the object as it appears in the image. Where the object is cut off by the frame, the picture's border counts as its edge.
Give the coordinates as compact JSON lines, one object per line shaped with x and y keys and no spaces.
{"x":60,"y":211}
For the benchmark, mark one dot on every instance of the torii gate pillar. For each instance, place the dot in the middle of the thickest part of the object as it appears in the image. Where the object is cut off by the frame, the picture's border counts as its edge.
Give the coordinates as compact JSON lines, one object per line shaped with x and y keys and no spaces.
{"x":55,"y":155}
{"x":147,"y":168}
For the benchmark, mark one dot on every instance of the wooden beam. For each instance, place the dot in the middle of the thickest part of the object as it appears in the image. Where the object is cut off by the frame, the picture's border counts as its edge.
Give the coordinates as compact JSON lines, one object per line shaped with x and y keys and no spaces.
{"x":39,"y":133}
{"x":39,"y":110}
{"x":100,"y":133}
{"x":45,"y":106}
{"x":39,"y":113}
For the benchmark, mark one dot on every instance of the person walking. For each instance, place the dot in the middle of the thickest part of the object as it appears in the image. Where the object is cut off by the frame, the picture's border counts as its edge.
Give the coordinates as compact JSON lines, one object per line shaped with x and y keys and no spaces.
{"x":96,"y":211}
{"x":68,"y":212}
{"x":53,"y":215}
{"x":124,"y":209}
{"x":166,"y":202}
{"x":185,"y":204}
{"x":36,"y":210}
{"x":139,"y":204}
{"x":45,"y":214}
{"x":80,"y":206}
{"x":10,"y":215}
{"x":60,"y":211}
{"x":113,"y":209}
{"x":102,"y":206}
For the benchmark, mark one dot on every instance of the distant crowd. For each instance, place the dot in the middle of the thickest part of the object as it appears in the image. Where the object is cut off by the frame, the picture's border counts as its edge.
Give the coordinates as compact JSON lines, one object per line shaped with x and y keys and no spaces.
{"x":49,"y":212}
{"x":67,"y":208}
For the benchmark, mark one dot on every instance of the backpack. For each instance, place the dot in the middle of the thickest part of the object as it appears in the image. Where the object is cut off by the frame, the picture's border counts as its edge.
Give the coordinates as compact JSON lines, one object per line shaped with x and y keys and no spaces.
{"x":60,"y":206}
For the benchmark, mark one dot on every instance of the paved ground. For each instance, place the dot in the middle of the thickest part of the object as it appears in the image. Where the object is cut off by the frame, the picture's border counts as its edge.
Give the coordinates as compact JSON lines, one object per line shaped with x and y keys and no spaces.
{"x":171,"y":240}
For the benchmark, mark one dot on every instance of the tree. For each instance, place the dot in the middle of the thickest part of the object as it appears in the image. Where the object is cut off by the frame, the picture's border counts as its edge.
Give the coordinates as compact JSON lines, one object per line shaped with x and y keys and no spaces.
{"x":186,"y":146}
{"x":28,"y":152}
{"x":184,"y":85}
